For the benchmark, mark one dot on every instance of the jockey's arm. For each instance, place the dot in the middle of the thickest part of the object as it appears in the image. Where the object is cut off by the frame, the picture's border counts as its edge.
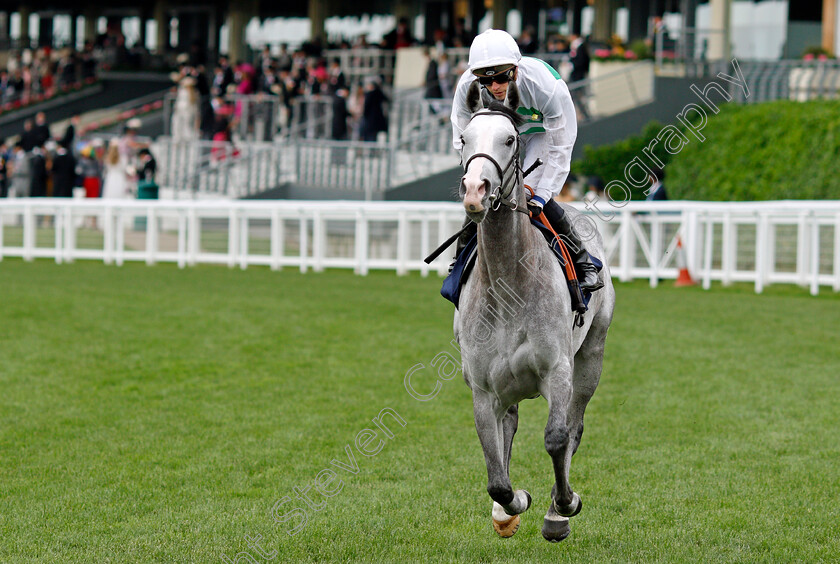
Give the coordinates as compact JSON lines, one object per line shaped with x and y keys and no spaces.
{"x":460,"y":116}
{"x":560,"y":123}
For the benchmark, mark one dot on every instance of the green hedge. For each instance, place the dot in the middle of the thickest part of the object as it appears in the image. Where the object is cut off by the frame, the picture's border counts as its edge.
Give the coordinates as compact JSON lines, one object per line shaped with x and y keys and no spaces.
{"x":770,"y":151}
{"x":608,"y":161}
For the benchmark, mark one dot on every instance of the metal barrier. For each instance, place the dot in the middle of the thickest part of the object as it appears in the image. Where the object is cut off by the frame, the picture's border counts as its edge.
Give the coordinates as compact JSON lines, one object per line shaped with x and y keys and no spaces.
{"x":357,"y":64}
{"x":217,"y":168}
{"x":796,"y":242}
{"x":255,"y":117}
{"x":783,"y":80}
{"x":687,"y":55}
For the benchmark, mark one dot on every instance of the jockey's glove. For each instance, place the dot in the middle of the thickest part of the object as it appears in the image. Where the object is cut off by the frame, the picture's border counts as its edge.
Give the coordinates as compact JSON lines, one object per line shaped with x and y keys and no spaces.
{"x":535,"y":206}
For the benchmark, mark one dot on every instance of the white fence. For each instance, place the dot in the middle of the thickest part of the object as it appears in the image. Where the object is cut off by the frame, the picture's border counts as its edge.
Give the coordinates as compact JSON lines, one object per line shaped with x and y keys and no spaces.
{"x":763,"y":243}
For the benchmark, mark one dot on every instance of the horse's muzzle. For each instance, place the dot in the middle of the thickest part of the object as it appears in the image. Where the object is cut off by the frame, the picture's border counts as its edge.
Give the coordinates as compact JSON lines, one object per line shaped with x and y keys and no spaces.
{"x":475,"y":190}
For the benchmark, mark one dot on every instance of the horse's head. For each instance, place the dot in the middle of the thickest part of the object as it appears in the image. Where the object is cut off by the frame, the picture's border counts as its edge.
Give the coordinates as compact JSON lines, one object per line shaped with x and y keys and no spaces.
{"x":490,"y":152}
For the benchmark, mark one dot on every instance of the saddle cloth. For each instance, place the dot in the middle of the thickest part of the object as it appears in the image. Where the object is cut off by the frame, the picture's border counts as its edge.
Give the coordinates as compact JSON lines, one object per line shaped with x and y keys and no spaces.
{"x":451,"y":289}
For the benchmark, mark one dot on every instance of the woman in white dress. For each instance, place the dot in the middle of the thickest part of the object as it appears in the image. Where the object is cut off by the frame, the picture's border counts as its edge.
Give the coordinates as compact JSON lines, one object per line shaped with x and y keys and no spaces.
{"x":116,"y":180}
{"x":185,"y":113}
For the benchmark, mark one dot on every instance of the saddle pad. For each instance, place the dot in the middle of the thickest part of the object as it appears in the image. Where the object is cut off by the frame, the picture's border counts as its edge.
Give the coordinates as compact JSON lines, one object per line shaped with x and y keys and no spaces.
{"x":451,"y":289}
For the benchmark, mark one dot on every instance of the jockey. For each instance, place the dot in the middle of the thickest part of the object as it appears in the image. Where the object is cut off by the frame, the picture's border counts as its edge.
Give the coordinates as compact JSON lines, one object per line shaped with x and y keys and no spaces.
{"x":549,"y":132}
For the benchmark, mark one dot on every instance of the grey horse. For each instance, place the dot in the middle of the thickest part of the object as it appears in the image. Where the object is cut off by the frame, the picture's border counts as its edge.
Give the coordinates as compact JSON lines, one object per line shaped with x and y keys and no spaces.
{"x":515,"y":325}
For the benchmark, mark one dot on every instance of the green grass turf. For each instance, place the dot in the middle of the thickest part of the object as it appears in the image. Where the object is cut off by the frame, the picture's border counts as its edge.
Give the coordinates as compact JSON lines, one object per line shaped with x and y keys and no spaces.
{"x":150,"y":414}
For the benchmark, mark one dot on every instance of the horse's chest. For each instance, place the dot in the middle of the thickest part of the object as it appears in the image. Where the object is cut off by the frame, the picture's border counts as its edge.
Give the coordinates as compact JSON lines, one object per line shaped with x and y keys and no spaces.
{"x":507,"y":362}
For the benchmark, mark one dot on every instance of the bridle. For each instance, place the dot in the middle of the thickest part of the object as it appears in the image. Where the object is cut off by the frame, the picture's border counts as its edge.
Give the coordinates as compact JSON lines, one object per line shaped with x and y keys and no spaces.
{"x":497,"y":197}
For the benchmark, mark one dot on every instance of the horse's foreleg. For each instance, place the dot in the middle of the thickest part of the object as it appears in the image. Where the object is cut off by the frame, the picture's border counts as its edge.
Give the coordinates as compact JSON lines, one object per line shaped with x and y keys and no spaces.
{"x":496,"y":436}
{"x":510,"y":423}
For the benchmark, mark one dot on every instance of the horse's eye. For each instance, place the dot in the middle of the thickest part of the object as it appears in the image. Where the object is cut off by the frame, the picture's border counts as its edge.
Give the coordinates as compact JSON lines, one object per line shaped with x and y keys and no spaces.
{"x":510,"y":140}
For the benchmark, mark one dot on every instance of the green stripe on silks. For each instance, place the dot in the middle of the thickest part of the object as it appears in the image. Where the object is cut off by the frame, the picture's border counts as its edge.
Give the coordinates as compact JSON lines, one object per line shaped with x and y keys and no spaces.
{"x":534,"y":123}
{"x":551,"y":69}
{"x":532,"y":130}
{"x":534,"y":116}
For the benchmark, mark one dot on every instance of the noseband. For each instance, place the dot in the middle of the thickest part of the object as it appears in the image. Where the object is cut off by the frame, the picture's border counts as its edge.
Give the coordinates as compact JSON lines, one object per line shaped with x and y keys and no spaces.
{"x":497,"y":198}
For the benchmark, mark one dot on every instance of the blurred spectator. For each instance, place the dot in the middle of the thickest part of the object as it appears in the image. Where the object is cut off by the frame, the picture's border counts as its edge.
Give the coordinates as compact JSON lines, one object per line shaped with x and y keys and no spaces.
{"x":261,"y":118}
{"x":339,"y":125}
{"x":569,"y":192}
{"x":355,"y":105}
{"x":433,"y":89}
{"x":284,"y":59}
{"x":27,"y":138}
{"x":284,"y":88}
{"x":63,"y":172}
{"x":557,"y":44}
{"x":185,"y":113}
{"x":398,"y":37}
{"x":528,"y":43}
{"x":373,"y":112}
{"x":222,"y":135}
{"x":128,"y":143}
{"x":70,"y":133}
{"x":38,"y":173}
{"x":89,"y":169}
{"x":445,"y":76}
{"x":20,"y":173}
{"x":337,"y":80}
{"x":88,"y":63}
{"x":147,"y":166}
{"x":656,"y":192}
{"x":116,"y":183}
{"x":461,"y":36}
{"x":440,"y":41}
{"x":67,"y":68}
{"x":41,"y":130}
{"x":579,"y":58}
{"x":224,"y":77}
{"x":264,"y":60}
{"x":4,"y":169}
{"x":594,"y":189}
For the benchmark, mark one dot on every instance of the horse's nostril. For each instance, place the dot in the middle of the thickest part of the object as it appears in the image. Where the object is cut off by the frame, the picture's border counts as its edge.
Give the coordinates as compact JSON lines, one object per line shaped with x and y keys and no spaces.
{"x":472,"y":207}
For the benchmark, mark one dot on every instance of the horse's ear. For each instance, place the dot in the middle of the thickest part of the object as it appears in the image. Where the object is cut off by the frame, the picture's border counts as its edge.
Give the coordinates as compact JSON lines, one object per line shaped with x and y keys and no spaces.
{"x":512,"y":98}
{"x":474,"y":97}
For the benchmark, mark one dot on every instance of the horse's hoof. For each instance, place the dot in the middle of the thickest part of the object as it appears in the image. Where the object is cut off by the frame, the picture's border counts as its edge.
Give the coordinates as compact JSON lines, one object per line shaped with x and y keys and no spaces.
{"x":556,"y":528}
{"x":506,"y":529}
{"x":572,"y":509}
{"x":505,"y":525}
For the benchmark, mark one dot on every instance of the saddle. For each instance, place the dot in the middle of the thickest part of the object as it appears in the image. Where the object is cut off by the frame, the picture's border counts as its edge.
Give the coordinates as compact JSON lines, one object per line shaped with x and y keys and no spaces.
{"x":451,"y":289}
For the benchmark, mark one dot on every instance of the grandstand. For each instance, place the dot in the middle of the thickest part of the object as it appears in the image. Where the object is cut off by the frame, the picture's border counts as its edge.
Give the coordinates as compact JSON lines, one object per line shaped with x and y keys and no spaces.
{"x":281,"y":146}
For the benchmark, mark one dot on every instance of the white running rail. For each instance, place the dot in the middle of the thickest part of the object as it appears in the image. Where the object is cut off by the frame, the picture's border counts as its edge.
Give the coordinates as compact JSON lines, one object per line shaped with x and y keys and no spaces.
{"x":796,"y":242}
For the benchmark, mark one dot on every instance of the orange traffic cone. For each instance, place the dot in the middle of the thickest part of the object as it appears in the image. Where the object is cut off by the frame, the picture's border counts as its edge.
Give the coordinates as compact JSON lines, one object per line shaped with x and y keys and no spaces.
{"x":684,"y":278}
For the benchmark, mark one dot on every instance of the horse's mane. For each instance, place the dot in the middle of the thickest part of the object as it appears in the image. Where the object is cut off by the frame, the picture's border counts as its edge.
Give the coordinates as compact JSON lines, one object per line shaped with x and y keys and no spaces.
{"x":517,"y":118}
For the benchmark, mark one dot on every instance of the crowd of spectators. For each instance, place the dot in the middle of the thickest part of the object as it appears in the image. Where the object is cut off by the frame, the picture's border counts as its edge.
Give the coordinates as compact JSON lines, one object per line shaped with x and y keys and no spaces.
{"x":40,"y":165}
{"x":210,"y":104}
{"x":37,"y":75}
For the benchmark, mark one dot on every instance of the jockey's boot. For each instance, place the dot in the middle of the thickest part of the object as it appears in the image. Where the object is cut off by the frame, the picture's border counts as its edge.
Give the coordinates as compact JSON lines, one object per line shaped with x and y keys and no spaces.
{"x":583,"y":262}
{"x":466,"y":235}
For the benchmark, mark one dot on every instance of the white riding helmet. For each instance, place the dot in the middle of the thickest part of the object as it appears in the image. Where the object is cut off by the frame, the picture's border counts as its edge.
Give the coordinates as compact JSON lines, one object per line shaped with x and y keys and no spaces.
{"x":493,"y":48}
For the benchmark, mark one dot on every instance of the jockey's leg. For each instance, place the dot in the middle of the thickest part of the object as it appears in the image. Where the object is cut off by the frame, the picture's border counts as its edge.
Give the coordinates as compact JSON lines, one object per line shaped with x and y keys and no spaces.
{"x":583,"y":262}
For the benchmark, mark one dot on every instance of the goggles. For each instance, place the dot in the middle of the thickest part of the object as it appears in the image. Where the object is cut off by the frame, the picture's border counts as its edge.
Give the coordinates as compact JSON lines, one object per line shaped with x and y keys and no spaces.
{"x":486,"y":77}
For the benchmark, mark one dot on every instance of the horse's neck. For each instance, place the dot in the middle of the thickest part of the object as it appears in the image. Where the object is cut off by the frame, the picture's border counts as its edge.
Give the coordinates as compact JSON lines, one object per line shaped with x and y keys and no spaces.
{"x":503,"y":240}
